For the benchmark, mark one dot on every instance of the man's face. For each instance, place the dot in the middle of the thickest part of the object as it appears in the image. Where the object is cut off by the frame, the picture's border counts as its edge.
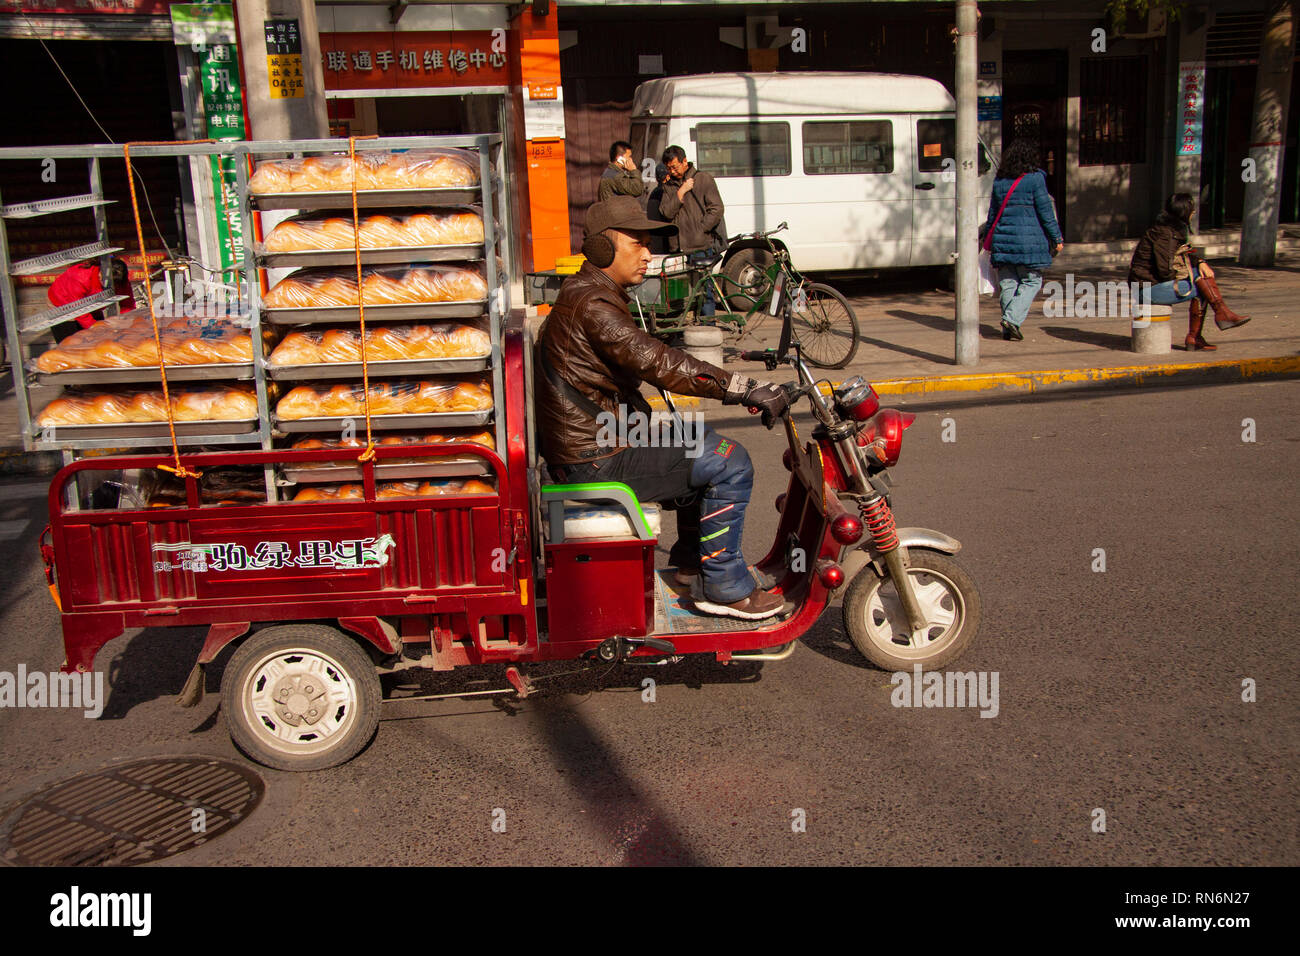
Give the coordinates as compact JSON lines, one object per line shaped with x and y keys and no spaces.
{"x":676,"y":168}
{"x":631,"y":256}
{"x":624,"y":159}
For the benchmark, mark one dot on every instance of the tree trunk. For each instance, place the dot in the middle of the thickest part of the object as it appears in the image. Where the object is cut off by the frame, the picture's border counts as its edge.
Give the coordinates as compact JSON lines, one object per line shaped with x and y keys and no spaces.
{"x":1268,"y":134}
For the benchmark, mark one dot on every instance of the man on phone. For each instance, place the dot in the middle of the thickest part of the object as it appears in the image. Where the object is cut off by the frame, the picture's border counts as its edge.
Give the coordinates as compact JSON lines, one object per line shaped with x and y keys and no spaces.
{"x":621,"y":177}
{"x":691,"y":200}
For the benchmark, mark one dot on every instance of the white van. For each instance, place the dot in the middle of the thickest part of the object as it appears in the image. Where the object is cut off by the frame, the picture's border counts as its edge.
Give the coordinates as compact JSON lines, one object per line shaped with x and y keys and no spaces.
{"x":854,"y":162}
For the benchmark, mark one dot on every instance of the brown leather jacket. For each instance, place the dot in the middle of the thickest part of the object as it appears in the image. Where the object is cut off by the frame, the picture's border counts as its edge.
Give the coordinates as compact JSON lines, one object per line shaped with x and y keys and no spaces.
{"x":592,"y":342}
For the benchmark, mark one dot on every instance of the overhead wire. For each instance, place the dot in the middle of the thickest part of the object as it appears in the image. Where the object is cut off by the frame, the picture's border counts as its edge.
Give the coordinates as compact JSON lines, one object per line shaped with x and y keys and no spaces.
{"x":89,"y":112}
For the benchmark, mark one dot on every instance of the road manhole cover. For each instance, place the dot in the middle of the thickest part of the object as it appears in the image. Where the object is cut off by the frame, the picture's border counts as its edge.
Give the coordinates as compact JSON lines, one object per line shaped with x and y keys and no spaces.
{"x":131,"y":813}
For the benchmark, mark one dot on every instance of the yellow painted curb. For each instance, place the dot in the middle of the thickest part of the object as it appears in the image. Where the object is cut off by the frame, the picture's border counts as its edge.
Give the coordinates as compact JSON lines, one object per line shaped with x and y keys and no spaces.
{"x":1043,"y":379}
{"x":1046,"y":378}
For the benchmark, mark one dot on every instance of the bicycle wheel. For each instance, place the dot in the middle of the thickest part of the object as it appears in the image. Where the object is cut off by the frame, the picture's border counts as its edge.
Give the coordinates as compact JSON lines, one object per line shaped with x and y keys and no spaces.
{"x":824,"y":326}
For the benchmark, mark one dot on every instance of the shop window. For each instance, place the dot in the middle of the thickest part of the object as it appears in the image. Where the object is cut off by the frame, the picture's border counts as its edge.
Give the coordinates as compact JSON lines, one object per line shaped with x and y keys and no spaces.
{"x":743,"y":149}
{"x":855,"y":146}
{"x":1112,"y":111}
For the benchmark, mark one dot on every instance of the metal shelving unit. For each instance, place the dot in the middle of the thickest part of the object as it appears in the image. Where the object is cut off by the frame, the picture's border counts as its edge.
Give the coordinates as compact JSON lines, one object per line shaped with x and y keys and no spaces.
{"x":488,"y":196}
{"x":492,"y":254}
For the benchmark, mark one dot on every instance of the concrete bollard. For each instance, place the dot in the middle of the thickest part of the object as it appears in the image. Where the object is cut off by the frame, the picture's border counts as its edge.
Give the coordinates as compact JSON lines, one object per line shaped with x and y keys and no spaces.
{"x":707,"y":336}
{"x":1151,"y":335}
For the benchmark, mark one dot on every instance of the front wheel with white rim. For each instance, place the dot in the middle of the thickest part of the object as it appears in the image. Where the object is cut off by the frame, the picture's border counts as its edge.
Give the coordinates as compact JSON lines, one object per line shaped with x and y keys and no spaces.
{"x":300,"y":697}
{"x":878,"y":626}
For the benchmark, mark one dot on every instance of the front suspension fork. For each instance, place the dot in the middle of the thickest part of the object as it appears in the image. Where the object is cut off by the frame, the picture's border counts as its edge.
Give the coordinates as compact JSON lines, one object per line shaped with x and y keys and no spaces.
{"x":879,"y":520}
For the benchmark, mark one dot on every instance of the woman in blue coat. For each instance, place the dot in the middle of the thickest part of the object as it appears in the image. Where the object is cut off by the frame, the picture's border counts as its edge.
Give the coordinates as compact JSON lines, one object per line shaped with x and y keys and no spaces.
{"x":1026,"y":235}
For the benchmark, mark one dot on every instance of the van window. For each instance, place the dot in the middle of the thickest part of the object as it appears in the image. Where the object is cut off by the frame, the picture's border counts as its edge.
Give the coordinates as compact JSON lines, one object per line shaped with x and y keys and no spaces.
{"x":744,"y":149}
{"x":936,"y":140}
{"x":855,"y":146}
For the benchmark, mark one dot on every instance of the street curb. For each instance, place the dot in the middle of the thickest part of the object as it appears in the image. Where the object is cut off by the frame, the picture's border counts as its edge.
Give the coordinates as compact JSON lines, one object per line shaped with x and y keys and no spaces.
{"x":1080,"y":379}
{"x":1071,"y":379}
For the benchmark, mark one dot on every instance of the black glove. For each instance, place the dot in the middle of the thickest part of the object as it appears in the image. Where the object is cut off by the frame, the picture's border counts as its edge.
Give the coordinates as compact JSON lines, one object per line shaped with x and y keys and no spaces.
{"x":769,"y":399}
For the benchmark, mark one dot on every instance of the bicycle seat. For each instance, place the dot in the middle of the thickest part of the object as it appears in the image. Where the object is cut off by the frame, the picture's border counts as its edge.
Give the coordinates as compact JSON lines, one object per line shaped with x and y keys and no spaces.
{"x":713,"y":259}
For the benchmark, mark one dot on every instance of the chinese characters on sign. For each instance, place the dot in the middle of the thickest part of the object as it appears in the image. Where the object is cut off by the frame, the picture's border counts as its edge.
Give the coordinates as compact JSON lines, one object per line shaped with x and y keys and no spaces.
{"x":543,"y":111}
{"x":413,"y":59}
{"x":284,"y":59}
{"x":223,"y":103}
{"x":350,"y":555}
{"x":1191,"y":100}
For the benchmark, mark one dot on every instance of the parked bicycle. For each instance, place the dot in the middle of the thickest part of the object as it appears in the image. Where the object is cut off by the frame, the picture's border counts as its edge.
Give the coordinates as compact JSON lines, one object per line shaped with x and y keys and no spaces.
{"x":755,"y":278}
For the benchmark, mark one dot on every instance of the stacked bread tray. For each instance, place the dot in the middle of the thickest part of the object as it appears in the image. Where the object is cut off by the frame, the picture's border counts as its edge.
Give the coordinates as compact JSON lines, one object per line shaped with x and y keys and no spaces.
{"x":416,"y":268}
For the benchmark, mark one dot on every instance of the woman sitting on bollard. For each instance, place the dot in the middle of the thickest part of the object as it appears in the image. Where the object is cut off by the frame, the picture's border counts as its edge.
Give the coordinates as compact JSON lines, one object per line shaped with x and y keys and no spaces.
{"x":1177,"y":274}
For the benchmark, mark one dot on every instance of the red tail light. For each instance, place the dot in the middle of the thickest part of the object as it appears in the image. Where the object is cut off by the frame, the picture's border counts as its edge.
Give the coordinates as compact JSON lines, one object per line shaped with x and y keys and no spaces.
{"x":830,"y":574}
{"x":885,"y":428}
{"x":780,"y":502}
{"x":846,"y":529}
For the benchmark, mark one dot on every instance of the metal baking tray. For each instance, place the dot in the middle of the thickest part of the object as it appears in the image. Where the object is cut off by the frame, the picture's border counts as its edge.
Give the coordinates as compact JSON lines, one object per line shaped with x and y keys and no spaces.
{"x":290,"y":373}
{"x":366,"y":198}
{"x":369,"y":257}
{"x":237,"y":371}
{"x":332,"y":423}
{"x":109,"y":432}
{"x":464,"y":309}
{"x":432,"y":468}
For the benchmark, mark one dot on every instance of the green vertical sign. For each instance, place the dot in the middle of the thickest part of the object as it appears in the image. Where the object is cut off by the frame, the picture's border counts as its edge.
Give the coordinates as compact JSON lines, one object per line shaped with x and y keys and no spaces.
{"x":209,"y":30}
{"x":224,"y":105}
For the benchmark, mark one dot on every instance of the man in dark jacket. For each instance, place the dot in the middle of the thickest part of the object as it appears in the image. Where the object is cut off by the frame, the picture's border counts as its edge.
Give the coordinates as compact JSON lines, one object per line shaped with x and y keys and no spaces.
{"x":692,"y":201}
{"x":659,"y":245}
{"x":593,"y":358}
{"x":621,"y":177}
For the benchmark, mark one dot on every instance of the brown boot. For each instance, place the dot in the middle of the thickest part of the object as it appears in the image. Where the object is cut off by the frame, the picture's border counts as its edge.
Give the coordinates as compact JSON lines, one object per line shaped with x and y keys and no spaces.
{"x":1224,"y":317}
{"x":1195,"y":318}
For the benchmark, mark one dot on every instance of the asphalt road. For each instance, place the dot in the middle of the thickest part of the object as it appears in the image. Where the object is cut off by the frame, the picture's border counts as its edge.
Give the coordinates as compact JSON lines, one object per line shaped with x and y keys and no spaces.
{"x":1118,"y":690}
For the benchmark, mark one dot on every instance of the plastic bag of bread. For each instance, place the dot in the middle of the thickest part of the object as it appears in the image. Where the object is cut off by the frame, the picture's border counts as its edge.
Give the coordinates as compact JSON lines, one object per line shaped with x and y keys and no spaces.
{"x":386,"y":398}
{"x":117,"y":344}
{"x":437,"y":168}
{"x":217,"y":486}
{"x":350,"y":446}
{"x":427,"y":227}
{"x":458,"y":435}
{"x":397,"y":489}
{"x":383,"y":344}
{"x":231,"y":403}
{"x":381,"y":285}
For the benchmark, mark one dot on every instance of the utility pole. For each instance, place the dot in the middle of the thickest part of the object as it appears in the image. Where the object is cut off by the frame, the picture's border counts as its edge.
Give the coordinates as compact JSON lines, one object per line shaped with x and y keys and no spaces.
{"x":284,"y":83}
{"x":967,"y":324}
{"x":1268,"y":133}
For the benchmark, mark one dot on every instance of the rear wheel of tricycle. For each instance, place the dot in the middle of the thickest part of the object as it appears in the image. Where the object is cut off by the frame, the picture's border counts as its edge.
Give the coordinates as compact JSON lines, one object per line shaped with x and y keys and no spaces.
{"x":300,"y":697}
{"x":878,"y":627}
{"x":747,"y":275}
{"x":824,"y":326}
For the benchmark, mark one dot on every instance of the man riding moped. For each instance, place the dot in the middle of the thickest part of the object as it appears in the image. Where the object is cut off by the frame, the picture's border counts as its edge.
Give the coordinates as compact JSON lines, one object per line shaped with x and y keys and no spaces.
{"x":593,"y":358}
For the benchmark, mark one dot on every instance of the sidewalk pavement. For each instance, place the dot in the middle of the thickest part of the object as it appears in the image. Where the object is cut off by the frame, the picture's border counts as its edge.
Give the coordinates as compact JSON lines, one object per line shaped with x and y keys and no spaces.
{"x":907,"y":347}
{"x":908,"y":343}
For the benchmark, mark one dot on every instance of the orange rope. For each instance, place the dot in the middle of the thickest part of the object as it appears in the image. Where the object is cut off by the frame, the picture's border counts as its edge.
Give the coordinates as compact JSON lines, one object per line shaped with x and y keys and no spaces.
{"x":179,"y":470}
{"x":369,"y":453}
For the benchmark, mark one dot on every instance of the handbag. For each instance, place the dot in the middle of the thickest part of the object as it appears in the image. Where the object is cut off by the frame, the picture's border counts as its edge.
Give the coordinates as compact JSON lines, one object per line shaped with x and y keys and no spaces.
{"x":988,"y":273}
{"x":1182,"y":262}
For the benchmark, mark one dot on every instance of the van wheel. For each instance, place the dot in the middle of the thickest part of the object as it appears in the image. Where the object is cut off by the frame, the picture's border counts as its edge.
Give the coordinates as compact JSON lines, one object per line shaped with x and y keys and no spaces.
{"x":746,"y":272}
{"x":300,"y":697}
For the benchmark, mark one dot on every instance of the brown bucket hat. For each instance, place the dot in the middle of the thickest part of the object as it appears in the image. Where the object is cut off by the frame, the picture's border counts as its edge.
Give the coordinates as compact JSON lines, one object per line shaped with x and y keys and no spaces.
{"x":623,"y":212}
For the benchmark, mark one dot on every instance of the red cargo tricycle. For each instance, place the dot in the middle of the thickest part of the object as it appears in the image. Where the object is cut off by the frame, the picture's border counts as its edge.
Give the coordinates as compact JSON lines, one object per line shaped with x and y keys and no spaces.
{"x":325,"y":596}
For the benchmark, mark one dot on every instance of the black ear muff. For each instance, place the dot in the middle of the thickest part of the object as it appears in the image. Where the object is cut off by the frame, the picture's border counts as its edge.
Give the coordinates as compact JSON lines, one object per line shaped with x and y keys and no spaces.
{"x":599,"y":250}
